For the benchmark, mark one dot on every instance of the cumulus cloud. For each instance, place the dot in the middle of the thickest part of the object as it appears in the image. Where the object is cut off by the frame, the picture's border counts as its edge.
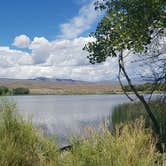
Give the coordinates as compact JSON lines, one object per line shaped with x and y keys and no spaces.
{"x":40,"y":47}
{"x":21,"y":41}
{"x":59,"y":59}
{"x":59,"y":52}
{"x":79,"y":24}
{"x":10,"y":57}
{"x":68,"y":52}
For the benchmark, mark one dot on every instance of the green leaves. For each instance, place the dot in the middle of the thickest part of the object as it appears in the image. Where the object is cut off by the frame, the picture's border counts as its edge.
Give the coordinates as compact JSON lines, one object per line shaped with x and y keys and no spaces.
{"x":127,"y":24}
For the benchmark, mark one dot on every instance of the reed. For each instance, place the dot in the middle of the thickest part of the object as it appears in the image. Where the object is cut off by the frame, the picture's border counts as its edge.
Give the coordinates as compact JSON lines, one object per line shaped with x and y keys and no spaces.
{"x":129,"y":112}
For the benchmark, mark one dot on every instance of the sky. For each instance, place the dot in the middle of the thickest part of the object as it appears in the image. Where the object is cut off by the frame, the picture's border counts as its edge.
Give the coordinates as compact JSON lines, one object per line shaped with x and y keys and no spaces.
{"x":44,"y":38}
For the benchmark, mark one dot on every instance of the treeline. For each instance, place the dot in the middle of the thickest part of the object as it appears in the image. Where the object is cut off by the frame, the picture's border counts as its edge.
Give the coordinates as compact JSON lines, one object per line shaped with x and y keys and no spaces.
{"x":5,"y":91}
{"x":147,"y":87}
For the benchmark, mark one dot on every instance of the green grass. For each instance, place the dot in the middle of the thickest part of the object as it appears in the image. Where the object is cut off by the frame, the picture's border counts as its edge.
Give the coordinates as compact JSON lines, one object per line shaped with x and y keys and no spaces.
{"x":20,"y":143}
{"x":23,"y":145}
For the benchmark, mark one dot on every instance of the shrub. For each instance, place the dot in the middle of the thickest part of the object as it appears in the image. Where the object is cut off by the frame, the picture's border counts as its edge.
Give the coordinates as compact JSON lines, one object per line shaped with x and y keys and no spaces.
{"x":4,"y":91}
{"x":21,"y":91}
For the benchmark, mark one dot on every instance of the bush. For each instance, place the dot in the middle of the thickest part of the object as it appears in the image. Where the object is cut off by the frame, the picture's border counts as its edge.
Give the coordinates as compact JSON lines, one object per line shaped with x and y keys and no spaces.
{"x":4,"y":91}
{"x":21,"y":91}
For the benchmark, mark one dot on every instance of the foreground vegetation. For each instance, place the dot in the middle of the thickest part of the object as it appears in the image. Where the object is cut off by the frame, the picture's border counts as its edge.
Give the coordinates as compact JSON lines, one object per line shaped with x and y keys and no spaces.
{"x":22,"y":144}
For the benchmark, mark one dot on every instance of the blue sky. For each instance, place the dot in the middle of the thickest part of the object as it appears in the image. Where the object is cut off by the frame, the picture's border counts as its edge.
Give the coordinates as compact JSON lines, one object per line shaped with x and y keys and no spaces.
{"x":44,"y":38}
{"x":36,"y":18}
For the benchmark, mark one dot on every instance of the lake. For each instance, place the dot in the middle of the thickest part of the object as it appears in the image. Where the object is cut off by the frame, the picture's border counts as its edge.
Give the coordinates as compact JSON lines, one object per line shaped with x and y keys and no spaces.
{"x":66,"y":115}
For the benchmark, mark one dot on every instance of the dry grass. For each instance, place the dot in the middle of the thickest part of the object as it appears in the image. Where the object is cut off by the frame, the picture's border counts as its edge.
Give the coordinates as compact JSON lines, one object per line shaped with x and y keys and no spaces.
{"x":63,"y":88}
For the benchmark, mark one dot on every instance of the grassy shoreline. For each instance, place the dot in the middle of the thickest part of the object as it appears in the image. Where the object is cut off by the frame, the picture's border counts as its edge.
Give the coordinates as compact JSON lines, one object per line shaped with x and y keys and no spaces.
{"x":22,"y":144}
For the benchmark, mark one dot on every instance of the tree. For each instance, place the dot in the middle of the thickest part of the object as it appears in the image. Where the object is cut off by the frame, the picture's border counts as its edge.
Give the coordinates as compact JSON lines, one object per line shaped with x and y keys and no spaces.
{"x":135,"y":26}
{"x":4,"y":90}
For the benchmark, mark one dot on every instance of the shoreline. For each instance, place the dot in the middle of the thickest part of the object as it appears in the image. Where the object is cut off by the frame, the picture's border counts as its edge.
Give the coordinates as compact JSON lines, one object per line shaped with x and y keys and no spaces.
{"x":76,"y":94}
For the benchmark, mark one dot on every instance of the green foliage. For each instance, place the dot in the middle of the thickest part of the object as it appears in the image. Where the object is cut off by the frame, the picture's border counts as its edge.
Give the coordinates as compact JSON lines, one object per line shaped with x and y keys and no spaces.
{"x":21,"y":91}
{"x":127,"y":113}
{"x":21,"y":144}
{"x":4,"y":91}
{"x":147,"y":87}
{"x":127,"y":24}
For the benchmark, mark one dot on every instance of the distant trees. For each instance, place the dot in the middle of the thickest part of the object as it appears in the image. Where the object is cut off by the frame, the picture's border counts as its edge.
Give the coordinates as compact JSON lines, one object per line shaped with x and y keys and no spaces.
{"x":21,"y":91}
{"x":147,"y":87}
{"x":5,"y":91}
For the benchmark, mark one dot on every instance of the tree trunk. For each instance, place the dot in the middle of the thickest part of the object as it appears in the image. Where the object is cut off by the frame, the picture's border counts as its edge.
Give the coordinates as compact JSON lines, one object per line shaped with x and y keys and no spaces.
{"x":140,"y":97}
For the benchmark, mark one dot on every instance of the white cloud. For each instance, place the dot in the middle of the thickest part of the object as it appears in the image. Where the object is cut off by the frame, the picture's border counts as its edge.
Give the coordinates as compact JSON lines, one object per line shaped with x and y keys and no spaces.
{"x":59,"y":52}
{"x":79,"y":24}
{"x":68,"y":52}
{"x":10,"y":57}
{"x":59,"y":58}
{"x":21,"y":41}
{"x":40,"y":47}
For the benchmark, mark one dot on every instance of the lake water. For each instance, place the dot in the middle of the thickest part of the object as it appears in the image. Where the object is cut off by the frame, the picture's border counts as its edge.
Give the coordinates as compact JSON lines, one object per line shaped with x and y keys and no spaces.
{"x":64,"y":116}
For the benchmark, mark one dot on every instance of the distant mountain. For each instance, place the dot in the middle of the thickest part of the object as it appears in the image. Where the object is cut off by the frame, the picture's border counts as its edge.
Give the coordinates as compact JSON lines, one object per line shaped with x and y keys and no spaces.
{"x":63,"y":80}
{"x":45,"y":79}
{"x":42,"y":79}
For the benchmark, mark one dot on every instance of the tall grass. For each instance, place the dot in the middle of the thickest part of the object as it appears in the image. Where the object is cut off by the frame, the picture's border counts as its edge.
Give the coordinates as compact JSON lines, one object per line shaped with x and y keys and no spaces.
{"x":131,"y":145}
{"x":23,"y":145}
{"x":129,"y":112}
